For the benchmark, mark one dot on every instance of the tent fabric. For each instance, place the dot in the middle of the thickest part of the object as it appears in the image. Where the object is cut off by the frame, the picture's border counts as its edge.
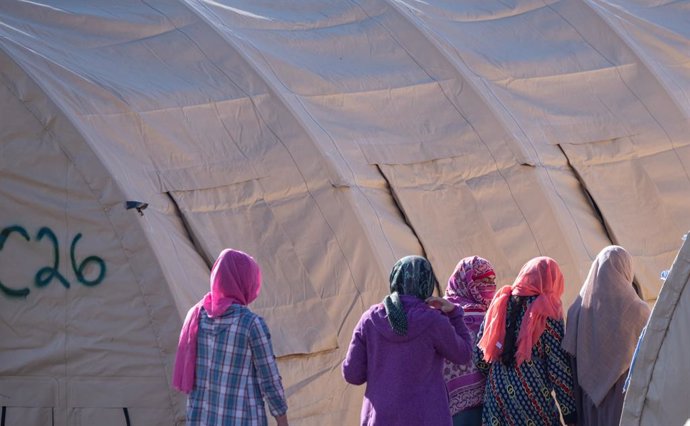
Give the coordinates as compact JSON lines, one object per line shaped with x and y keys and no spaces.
{"x":311,"y":135}
{"x":659,"y":35}
{"x":658,"y":381}
{"x":75,"y":340}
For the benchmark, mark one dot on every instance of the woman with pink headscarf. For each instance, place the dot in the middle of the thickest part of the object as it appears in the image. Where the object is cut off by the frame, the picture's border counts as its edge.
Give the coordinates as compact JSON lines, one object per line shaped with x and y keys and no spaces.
{"x":604,"y":324}
{"x":520,"y":352}
{"x":224,"y":359}
{"x":471,"y":286}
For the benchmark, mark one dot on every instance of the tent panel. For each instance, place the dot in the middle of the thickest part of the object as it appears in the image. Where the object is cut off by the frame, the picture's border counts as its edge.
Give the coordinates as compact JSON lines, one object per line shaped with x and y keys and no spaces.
{"x":86,"y":311}
{"x":558,"y":81}
{"x":454,"y":221}
{"x":379,"y":123}
{"x":659,"y":34}
{"x":449,"y":210}
{"x":79,"y":266}
{"x":590,"y":113}
{"x":118,"y":416}
{"x":29,"y":392}
{"x":288,"y":292}
{"x":631,"y":196}
{"x":332,"y":48}
{"x":411,"y":113}
{"x":333,"y":401}
{"x":28,"y":416}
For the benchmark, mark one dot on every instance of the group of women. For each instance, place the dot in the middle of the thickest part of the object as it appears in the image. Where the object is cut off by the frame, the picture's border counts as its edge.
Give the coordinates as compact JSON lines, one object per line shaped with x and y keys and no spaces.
{"x":480,"y":356}
{"x":476,"y":356}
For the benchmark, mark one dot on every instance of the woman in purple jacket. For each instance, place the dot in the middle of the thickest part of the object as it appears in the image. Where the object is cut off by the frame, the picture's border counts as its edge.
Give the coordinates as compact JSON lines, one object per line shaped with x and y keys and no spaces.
{"x":398,"y":348}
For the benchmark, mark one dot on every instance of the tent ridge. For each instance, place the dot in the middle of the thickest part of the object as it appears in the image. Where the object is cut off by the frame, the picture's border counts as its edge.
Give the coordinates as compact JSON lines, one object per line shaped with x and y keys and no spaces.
{"x":283,"y":96}
{"x":500,"y":111}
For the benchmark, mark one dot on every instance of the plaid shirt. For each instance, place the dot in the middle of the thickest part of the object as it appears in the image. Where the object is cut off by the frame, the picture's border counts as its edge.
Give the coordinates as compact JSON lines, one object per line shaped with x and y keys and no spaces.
{"x":235,"y":370}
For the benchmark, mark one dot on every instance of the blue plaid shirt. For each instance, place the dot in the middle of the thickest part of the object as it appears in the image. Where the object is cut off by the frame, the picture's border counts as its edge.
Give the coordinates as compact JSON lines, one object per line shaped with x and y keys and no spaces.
{"x":235,"y":371}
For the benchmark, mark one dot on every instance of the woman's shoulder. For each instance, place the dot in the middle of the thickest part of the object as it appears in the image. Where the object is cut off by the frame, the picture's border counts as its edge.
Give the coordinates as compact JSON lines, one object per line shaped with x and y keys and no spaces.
{"x":244,"y":316}
{"x":375,"y":311}
{"x":250,"y":315}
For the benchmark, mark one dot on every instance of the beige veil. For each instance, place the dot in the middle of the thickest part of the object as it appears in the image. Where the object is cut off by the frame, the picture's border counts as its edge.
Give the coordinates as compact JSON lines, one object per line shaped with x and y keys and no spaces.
{"x":604,"y":322}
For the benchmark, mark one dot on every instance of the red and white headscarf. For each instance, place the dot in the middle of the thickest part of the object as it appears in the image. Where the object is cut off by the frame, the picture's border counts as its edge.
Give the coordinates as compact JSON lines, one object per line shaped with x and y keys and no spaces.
{"x":471,"y":286}
{"x":235,"y":278}
{"x":466,"y":286}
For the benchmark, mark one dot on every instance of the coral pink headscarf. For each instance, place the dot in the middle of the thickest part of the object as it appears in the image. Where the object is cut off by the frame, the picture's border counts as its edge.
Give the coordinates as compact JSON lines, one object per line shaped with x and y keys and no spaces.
{"x":539,"y":277}
{"x":235,"y":278}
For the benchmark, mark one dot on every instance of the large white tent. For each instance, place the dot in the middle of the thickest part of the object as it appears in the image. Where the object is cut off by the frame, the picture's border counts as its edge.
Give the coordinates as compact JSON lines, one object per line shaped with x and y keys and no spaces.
{"x":327,"y":139}
{"x":657,"y":394}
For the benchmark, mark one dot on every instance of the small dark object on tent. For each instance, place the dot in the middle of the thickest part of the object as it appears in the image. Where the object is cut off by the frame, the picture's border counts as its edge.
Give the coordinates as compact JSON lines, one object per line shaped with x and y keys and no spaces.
{"x":140,"y":206}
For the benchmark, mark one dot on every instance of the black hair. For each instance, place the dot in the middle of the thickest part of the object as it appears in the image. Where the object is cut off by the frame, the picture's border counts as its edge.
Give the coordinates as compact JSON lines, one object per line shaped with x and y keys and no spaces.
{"x":515,"y":308}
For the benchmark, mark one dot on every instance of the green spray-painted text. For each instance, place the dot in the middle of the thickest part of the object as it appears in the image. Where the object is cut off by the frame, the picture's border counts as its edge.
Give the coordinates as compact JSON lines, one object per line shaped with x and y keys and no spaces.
{"x":48,"y":274}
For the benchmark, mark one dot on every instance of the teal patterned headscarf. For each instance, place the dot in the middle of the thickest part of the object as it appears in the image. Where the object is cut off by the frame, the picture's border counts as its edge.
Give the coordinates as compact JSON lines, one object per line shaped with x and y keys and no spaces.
{"x":413,"y":276}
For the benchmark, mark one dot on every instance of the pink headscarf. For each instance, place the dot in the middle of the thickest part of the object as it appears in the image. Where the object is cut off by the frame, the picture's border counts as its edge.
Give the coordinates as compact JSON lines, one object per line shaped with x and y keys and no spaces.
{"x":540,"y":277}
{"x":465,"y":288}
{"x":235,"y":278}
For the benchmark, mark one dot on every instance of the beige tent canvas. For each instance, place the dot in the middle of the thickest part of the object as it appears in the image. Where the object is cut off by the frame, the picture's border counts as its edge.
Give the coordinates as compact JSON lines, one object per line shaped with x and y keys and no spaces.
{"x":658,"y":381}
{"x":328,"y":139}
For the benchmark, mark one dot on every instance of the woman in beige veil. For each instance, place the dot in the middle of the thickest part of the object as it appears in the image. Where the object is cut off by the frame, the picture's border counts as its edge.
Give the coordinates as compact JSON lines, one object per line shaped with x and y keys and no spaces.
{"x":602,"y":328}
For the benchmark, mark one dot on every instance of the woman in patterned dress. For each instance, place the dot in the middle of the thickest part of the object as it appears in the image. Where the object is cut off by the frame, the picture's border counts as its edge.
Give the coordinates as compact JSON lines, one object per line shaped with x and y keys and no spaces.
{"x":520,"y":351}
{"x":225,"y":359}
{"x":471,"y":287}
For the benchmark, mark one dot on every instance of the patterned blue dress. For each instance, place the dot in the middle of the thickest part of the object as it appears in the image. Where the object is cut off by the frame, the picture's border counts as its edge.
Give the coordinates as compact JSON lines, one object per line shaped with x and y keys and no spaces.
{"x":524,"y":395}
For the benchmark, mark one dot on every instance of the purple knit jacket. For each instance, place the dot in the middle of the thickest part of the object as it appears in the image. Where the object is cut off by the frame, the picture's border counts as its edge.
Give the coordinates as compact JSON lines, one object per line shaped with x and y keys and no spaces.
{"x":404,"y":377}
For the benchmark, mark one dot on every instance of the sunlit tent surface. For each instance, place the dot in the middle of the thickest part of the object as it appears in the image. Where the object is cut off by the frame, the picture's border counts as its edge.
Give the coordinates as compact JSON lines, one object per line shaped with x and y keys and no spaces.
{"x":327,"y":139}
{"x":658,"y":383}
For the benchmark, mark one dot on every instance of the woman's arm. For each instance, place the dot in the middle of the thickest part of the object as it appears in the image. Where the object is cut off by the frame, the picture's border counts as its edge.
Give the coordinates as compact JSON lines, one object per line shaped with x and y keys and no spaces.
{"x":478,"y":355}
{"x":454,"y":342}
{"x":354,"y":366}
{"x":269,"y":378}
{"x":559,"y":370}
